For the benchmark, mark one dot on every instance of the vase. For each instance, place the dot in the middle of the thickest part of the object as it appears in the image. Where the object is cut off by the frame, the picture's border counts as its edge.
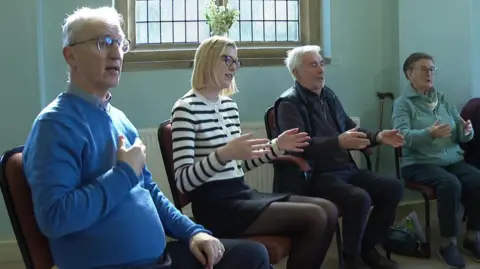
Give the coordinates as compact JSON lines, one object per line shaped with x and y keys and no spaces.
{"x":219,"y":34}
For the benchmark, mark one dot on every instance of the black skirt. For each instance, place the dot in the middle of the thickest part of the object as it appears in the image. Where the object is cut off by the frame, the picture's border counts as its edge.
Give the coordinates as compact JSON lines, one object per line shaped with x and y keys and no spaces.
{"x":229,"y":207}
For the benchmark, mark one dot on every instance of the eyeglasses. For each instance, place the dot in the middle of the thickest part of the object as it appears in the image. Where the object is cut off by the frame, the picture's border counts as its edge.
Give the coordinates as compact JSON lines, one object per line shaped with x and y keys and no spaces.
{"x":106,"y":42}
{"x":229,"y":61}
{"x":425,"y":69}
{"x":432,"y":69}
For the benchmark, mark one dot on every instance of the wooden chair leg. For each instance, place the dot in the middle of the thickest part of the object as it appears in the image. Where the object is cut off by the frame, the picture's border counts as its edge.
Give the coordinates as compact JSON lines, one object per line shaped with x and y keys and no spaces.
{"x":338,"y":236}
{"x":427,"y":225}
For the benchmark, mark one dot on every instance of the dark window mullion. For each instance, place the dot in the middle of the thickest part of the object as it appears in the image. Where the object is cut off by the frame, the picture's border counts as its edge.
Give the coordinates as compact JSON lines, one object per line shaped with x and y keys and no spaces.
{"x":264,"y":15}
{"x":160,"y":19}
{"x":275,"y":18}
{"x":148,"y":23}
{"x":173,"y":21}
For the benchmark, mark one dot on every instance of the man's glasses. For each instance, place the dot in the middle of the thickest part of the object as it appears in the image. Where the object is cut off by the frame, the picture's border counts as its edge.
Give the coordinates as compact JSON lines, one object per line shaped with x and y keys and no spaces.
{"x":432,"y":69}
{"x":229,"y":61}
{"x":106,"y":42}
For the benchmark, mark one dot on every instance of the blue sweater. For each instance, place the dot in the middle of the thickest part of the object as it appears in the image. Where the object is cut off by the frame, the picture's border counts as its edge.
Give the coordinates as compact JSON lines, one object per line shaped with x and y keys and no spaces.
{"x":94,"y":209}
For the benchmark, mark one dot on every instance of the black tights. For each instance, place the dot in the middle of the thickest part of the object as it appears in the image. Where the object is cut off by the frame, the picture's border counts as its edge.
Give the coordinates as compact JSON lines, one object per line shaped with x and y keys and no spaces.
{"x":310,"y":222}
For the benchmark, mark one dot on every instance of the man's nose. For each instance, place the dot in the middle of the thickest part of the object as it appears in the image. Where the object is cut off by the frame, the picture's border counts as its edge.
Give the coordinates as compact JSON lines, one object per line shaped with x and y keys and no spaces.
{"x":115,"y":52}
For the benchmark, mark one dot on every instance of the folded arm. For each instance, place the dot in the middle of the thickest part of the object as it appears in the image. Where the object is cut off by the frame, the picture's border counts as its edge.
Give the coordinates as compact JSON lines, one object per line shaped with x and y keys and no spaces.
{"x":53,"y":166}
{"x":188,"y":173}
{"x":401,"y":120}
{"x":175,"y":223}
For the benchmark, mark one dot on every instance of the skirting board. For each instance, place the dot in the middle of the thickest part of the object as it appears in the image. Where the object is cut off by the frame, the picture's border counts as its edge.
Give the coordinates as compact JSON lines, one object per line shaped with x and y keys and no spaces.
{"x":10,"y":253}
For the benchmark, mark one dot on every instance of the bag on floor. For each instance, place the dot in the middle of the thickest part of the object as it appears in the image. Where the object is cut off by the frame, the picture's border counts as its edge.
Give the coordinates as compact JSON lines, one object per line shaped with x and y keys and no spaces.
{"x":406,"y":238}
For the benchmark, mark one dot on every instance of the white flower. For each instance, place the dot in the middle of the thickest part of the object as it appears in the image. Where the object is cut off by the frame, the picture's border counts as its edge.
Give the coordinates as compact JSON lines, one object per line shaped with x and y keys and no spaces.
{"x":220,"y":18}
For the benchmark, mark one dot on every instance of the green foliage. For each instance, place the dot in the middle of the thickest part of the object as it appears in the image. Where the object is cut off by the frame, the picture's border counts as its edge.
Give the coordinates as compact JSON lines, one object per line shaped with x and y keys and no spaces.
{"x":220,"y":18}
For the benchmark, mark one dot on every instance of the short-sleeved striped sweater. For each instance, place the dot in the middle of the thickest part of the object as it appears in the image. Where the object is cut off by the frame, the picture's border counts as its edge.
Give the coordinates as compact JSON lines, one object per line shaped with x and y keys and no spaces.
{"x":199,"y":127}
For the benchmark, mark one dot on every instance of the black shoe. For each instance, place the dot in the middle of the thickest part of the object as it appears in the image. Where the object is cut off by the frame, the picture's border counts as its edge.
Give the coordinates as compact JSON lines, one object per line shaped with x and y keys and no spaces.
{"x":452,"y":256}
{"x":473,"y":248}
{"x":376,"y":261}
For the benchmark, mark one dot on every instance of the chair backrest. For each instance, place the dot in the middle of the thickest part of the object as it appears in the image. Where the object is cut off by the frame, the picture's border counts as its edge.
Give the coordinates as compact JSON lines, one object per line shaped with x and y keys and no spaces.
{"x":33,"y":244}
{"x":270,"y":123}
{"x":471,"y":111}
{"x":164,"y":134}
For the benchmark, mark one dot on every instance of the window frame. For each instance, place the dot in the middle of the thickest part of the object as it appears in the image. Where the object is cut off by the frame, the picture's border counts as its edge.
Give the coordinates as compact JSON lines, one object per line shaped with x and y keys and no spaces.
{"x":164,"y":56}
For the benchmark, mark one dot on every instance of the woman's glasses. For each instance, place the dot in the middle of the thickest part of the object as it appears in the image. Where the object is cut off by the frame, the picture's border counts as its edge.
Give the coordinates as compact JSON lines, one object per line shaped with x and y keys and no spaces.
{"x":229,"y":61}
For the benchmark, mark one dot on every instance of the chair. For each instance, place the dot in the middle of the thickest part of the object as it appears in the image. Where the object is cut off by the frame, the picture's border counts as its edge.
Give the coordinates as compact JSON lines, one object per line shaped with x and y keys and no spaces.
{"x":278,"y":246}
{"x":428,"y":194}
{"x":33,"y":244}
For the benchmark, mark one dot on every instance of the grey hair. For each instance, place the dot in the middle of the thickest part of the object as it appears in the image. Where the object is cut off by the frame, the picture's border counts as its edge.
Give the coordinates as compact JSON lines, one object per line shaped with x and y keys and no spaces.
{"x":82,"y":16}
{"x":75,"y":23}
{"x":295,"y":56}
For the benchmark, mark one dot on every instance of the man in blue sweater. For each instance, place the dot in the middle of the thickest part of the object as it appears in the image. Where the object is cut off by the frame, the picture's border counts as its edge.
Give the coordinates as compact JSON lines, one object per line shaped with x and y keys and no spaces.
{"x":93,"y":196}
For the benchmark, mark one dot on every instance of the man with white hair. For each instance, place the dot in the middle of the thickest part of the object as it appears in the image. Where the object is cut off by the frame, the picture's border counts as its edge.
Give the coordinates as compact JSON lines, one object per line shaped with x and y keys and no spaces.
{"x":314,"y":108}
{"x":93,"y":195}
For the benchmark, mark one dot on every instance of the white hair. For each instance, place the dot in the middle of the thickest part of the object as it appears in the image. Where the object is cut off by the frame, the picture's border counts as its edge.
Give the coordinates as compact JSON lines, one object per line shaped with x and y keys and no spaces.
{"x":295,"y":56}
{"x":82,"y":16}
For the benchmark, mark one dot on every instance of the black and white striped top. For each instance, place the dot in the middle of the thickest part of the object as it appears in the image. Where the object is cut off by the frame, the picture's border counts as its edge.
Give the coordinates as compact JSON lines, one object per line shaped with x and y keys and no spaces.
{"x":199,"y":127}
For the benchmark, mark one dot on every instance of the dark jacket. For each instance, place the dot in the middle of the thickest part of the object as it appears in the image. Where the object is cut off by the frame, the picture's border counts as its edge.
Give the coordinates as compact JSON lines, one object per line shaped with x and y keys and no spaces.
{"x":320,"y":148}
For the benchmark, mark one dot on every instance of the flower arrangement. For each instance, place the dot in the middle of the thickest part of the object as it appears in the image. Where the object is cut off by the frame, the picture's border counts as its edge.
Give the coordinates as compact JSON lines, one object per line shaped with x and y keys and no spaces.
{"x":220,"y":18}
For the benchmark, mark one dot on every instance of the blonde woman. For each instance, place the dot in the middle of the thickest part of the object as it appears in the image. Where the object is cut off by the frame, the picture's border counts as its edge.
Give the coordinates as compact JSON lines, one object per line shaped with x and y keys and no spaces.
{"x":211,"y":155}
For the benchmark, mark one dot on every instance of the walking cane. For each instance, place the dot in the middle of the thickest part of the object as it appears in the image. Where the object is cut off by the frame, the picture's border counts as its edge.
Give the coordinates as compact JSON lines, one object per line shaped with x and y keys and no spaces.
{"x":382,"y":96}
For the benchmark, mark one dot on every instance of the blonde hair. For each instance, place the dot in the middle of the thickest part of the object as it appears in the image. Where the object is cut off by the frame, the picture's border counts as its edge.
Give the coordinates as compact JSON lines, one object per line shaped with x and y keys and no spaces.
{"x":207,"y":57}
{"x":295,"y":56}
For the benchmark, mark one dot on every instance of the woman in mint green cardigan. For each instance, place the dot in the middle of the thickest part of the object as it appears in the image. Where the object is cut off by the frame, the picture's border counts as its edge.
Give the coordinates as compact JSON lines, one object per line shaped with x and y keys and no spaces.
{"x":433,"y":129}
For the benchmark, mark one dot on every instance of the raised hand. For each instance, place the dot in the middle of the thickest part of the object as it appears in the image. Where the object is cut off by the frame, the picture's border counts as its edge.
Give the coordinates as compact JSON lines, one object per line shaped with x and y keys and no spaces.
{"x":391,"y":137}
{"x":353,"y":139}
{"x":438,"y":130}
{"x":292,"y":140}
{"x":467,"y":126}
{"x":134,"y":156}
{"x":244,"y":147}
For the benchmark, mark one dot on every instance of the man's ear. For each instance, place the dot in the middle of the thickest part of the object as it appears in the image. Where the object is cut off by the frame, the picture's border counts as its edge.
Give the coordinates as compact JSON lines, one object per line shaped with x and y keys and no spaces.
{"x":69,"y":56}
{"x":295,"y":73}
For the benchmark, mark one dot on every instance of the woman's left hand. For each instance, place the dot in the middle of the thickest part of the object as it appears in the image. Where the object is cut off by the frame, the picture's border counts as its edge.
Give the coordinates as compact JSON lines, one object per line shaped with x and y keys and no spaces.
{"x":467,"y":126}
{"x":292,"y":140}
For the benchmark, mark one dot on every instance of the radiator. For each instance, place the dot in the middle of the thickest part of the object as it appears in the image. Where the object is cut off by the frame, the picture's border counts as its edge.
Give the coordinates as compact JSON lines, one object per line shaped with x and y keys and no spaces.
{"x":260,"y":178}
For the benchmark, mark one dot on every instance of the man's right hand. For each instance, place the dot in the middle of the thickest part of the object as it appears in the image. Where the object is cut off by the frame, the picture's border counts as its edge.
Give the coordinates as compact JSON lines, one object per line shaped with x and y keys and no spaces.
{"x":134,"y":156}
{"x":438,"y":130}
{"x":352,"y":139}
